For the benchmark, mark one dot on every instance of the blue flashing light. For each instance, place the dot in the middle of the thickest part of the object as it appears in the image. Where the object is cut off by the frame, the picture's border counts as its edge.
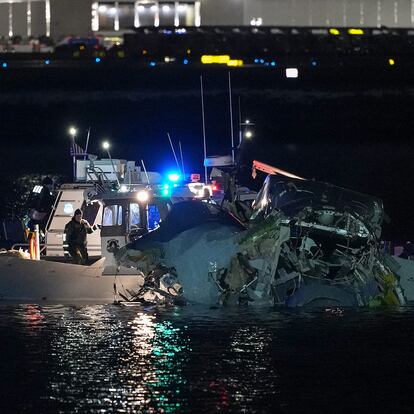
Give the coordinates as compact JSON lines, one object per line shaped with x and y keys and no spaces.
{"x":185,"y":61}
{"x":97,"y":60}
{"x":174,"y":177}
{"x":152,"y":64}
{"x":273,"y":63}
{"x":4,"y":64}
{"x":166,"y":186}
{"x":256,"y":60}
{"x":47,"y":61}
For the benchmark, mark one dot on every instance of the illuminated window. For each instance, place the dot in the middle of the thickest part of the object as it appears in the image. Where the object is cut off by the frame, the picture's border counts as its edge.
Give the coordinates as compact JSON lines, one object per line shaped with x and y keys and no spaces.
{"x":153,"y":218}
{"x":121,"y":15}
{"x":147,"y":14}
{"x":106,"y":16}
{"x":126,"y":15}
{"x":134,"y":216}
{"x":167,"y":14}
{"x":112,"y":216}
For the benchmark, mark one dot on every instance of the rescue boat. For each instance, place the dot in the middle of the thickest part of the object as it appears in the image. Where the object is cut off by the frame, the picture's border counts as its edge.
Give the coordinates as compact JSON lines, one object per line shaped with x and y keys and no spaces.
{"x":123,"y":202}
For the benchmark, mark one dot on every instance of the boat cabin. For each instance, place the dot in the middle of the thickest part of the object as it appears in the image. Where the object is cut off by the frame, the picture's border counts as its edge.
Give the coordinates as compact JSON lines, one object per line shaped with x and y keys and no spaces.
{"x":124,"y":204}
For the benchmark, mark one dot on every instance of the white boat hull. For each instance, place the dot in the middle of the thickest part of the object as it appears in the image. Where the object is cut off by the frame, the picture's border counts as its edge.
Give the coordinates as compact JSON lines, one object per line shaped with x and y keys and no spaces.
{"x":29,"y":280}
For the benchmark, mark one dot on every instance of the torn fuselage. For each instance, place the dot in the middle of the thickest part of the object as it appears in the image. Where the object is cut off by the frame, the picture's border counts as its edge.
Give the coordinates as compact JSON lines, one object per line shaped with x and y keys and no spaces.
{"x":319,"y":245}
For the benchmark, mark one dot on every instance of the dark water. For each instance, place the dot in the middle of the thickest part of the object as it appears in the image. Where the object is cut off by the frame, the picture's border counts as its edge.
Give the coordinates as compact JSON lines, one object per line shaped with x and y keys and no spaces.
{"x":105,"y":359}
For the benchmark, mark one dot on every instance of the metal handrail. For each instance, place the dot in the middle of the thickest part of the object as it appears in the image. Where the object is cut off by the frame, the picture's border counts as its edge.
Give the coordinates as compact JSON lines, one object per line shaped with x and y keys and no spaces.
{"x":52,"y":213}
{"x":97,"y":171}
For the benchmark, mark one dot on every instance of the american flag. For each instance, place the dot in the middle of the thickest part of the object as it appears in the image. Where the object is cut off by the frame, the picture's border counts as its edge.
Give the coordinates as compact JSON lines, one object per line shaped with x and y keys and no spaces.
{"x":76,"y":150}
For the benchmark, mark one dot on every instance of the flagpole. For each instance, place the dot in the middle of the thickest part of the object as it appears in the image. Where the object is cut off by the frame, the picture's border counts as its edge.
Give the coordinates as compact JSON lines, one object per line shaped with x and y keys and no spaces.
{"x":87,"y":143}
{"x":74,"y":158}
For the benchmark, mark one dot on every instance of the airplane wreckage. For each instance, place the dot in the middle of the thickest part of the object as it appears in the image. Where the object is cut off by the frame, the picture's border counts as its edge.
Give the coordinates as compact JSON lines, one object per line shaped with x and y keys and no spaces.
{"x":301,"y":243}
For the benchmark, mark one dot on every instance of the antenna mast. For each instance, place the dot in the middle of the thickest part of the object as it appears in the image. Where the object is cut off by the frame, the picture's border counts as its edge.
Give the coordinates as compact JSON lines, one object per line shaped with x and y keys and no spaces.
{"x":145,"y":171}
{"x":231,"y":120}
{"x":204,"y":128}
{"x":173,"y":151}
{"x":182,"y":158}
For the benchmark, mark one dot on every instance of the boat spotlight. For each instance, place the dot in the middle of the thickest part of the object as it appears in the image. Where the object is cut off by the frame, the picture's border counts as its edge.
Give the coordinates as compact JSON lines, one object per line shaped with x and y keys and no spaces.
{"x":72,"y":131}
{"x":143,"y":196}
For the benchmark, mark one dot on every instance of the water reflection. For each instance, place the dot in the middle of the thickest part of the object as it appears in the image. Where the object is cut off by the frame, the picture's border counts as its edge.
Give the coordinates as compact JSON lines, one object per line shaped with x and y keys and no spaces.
{"x":247,"y":376}
{"x":155,"y":364}
{"x":105,"y":360}
{"x":33,"y":318}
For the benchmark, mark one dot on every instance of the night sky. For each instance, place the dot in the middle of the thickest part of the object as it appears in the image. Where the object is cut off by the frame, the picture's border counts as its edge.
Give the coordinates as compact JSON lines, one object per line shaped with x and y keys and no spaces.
{"x":351,"y":128}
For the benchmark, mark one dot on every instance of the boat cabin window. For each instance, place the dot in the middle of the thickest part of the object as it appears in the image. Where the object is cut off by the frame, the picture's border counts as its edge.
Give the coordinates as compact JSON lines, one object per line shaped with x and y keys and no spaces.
{"x":112,"y":216}
{"x":90,"y":211}
{"x":134,"y":216}
{"x":153,"y":217}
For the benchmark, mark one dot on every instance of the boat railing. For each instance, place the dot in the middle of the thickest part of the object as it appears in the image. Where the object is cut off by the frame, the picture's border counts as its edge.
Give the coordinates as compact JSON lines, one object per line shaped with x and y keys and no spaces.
{"x":98,"y":176}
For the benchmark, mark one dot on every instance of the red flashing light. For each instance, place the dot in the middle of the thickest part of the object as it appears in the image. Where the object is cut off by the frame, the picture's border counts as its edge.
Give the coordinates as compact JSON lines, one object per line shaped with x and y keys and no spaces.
{"x":195,"y":178}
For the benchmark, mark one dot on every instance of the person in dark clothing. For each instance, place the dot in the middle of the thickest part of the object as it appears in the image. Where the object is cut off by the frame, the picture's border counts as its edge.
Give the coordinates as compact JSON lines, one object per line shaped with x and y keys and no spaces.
{"x":76,"y":232}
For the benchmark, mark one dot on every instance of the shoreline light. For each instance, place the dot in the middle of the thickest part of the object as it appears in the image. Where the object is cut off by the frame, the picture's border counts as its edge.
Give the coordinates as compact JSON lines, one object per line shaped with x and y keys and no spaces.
{"x":292,"y":73}
{"x":355,"y":31}
{"x":215,"y":59}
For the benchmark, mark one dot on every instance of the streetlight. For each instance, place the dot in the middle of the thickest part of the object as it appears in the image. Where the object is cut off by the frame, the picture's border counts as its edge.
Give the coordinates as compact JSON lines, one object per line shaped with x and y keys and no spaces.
{"x":106,"y":145}
{"x":73,"y":132}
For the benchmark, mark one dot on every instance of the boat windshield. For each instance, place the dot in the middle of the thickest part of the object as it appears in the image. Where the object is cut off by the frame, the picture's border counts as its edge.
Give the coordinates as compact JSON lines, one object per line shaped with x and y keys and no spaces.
{"x":112,"y":216}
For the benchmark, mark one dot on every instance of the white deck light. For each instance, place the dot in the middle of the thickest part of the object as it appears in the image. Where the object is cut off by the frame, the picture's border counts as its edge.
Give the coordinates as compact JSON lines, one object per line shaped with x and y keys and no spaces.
{"x":143,"y":196}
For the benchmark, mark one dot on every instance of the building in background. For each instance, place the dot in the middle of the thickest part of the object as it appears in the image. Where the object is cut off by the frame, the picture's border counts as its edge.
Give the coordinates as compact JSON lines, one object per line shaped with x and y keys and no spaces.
{"x":59,"y":18}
